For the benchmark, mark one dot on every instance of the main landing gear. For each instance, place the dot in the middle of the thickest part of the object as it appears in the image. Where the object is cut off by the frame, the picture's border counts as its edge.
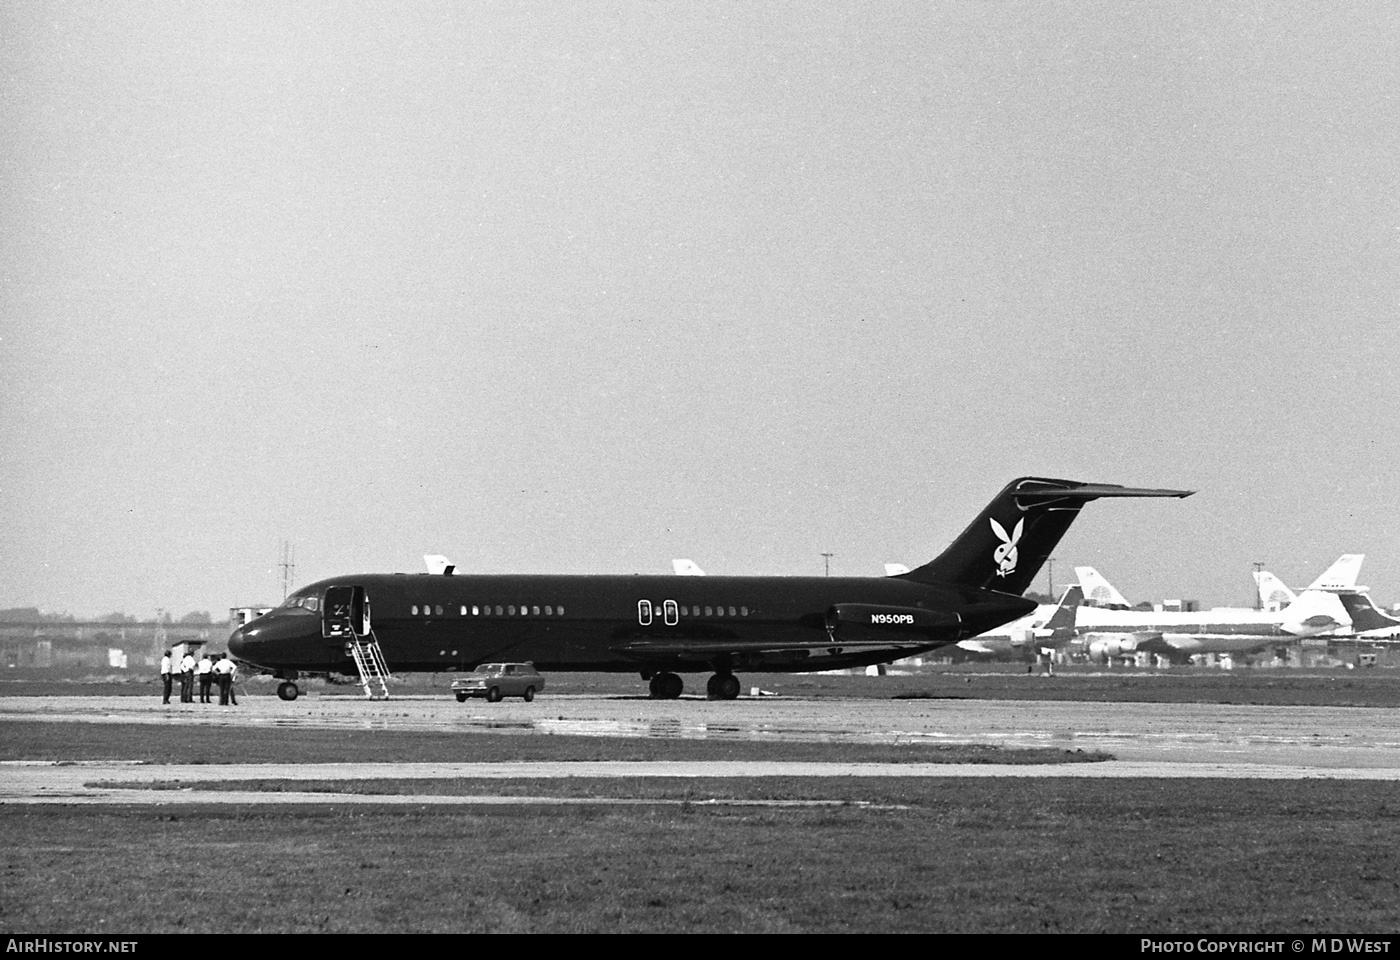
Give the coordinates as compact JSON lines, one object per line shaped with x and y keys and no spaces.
{"x":287,"y":690}
{"x":668,"y":686}
{"x":723,"y":686}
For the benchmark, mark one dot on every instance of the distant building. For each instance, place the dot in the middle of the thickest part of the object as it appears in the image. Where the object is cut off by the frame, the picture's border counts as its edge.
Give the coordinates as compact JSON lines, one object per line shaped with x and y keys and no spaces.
{"x":238,"y":616}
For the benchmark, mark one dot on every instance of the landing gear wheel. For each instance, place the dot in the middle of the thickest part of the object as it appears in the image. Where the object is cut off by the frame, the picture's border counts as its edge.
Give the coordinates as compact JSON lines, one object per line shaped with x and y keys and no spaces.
{"x":529,"y":694}
{"x":666,"y":686}
{"x":287,"y":690}
{"x":723,"y":686}
{"x":493,"y":695}
{"x":461,"y":698}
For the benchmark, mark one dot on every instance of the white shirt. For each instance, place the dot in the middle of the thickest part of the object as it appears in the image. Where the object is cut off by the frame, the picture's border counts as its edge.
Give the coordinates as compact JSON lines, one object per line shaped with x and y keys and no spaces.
{"x":165,"y":664}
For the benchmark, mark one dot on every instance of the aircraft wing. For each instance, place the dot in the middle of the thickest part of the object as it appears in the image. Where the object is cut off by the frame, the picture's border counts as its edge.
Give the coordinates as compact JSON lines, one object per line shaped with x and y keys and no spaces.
{"x":707,"y":649}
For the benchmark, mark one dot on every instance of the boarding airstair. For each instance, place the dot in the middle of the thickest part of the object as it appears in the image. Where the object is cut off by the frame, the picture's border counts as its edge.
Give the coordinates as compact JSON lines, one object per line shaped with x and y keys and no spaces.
{"x":369,"y":660}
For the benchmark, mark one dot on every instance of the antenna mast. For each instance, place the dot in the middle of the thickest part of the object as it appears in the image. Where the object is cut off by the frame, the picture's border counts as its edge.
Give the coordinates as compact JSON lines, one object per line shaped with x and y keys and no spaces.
{"x":288,"y":567}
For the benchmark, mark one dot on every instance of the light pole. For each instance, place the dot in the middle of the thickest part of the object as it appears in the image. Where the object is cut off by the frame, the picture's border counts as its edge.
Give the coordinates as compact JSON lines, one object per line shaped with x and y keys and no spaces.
{"x":827,"y":557}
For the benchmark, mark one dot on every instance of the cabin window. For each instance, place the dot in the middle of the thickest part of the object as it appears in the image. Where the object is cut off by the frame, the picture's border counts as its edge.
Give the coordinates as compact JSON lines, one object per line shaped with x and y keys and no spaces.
{"x":709,"y":611}
{"x":548,"y":610}
{"x":535,"y":611}
{"x":511,"y":609}
{"x":559,"y":611}
{"x":438,"y":610}
{"x":733,"y":612}
{"x":499,"y":610}
{"x":743,"y":611}
{"x":415,"y":609}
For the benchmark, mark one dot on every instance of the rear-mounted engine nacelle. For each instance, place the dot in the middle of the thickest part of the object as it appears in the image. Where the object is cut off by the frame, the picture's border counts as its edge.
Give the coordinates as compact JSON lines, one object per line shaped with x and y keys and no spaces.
{"x":1105,"y":647}
{"x":863,"y":620}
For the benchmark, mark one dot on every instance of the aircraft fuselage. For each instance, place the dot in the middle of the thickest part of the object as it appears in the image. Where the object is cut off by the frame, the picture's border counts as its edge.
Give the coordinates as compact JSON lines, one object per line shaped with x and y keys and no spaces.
{"x":614,"y":623}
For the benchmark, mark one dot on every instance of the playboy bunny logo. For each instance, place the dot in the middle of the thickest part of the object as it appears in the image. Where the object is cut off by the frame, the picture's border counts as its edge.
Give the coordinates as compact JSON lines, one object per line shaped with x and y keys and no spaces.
{"x":1005,"y":555}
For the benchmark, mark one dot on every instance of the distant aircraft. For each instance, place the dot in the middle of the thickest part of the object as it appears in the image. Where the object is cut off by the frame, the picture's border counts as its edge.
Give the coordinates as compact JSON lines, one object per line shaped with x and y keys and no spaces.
{"x":660,"y":627}
{"x":1098,"y":592}
{"x":1051,"y":626}
{"x":1273,"y":594}
{"x":1107,"y":634}
{"x":1338,"y":578}
{"x":1368,"y":622}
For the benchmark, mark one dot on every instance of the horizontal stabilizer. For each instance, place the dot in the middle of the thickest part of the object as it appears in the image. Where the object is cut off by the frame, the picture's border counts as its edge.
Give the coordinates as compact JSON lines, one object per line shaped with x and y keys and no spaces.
{"x":1092,"y":491}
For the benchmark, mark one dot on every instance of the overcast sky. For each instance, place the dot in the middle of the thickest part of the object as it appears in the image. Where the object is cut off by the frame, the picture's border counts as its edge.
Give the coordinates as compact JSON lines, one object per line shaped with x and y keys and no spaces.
{"x":582,"y":288}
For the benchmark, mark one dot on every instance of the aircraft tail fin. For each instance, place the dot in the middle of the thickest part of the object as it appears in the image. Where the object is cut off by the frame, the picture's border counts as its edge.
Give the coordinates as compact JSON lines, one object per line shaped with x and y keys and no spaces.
{"x":1065,"y":614}
{"x":1341,"y":576}
{"x":1099,"y":591}
{"x":1364,"y":614}
{"x":687,"y":568}
{"x":895,"y":569}
{"x":439,"y":565}
{"x":1273,"y":595}
{"x":1005,"y":547}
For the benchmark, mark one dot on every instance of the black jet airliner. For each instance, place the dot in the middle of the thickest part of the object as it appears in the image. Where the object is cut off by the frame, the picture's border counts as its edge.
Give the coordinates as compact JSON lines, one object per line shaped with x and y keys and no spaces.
{"x":662,"y":626}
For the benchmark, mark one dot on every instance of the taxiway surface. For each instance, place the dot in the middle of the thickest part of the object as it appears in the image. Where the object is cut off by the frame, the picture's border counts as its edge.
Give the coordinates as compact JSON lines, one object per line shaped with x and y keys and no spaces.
{"x":1146,"y":740}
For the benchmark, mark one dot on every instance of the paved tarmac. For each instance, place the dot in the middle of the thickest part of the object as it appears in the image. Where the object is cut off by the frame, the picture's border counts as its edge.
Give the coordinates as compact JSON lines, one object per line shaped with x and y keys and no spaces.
{"x":1148,"y":740}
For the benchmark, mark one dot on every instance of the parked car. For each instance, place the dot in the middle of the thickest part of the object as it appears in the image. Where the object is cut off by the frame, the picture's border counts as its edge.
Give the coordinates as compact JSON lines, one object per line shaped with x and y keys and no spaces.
{"x":496,"y":680}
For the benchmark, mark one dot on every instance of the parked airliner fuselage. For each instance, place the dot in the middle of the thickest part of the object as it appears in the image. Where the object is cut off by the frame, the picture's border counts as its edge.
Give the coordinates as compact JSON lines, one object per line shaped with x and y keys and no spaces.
{"x":662,"y":626}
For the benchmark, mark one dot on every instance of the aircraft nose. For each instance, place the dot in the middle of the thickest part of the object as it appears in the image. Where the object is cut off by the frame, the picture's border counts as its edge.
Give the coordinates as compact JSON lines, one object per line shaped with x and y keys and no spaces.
{"x":237,"y":644}
{"x":268,"y":640}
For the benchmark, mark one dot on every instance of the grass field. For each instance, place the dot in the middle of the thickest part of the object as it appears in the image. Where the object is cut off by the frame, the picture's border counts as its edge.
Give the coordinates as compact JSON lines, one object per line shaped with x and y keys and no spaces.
{"x":942,"y":856}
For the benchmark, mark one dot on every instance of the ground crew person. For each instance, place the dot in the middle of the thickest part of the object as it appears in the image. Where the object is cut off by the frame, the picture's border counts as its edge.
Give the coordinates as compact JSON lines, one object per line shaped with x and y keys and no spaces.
{"x":187,"y":678}
{"x":165,"y":677}
{"x":223,"y":669}
{"x":205,"y":677}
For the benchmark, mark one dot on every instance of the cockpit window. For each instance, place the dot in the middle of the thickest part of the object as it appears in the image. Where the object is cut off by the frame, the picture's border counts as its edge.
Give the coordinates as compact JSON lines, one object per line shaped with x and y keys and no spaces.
{"x":306,"y":603}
